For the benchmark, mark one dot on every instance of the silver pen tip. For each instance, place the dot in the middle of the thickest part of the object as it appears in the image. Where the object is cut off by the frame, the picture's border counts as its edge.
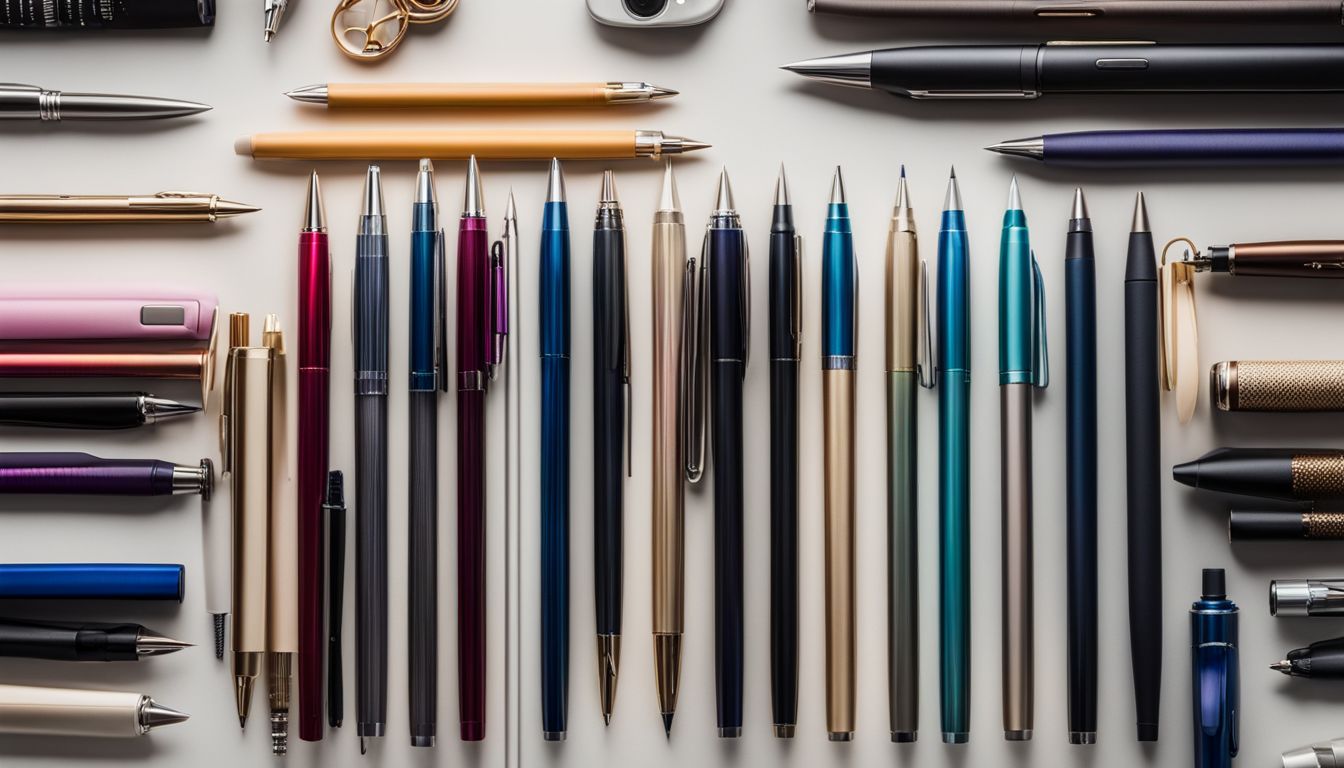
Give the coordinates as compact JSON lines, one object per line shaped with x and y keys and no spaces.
{"x":473,"y":200}
{"x":510,"y":210}
{"x":1079,"y":205}
{"x":424,"y":183}
{"x":668,"y":199}
{"x":837,"y":187}
{"x":1284,"y":666}
{"x":314,"y":210}
{"x":555,"y":183}
{"x":902,"y":192}
{"x":853,"y":69}
{"x":952,"y":202}
{"x":723,"y":201}
{"x":656,"y":92}
{"x":1033,"y":148}
{"x":1140,"y":222}
{"x":309,"y":94}
{"x":153,"y":644}
{"x":154,"y":715}
{"x":1014,"y":196}
{"x":373,"y":192}
{"x":782,"y":188}
{"x":608,"y":187}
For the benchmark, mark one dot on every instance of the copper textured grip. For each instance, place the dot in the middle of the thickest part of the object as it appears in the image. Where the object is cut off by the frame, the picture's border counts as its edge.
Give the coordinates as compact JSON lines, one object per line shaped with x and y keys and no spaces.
{"x":1278,"y":386}
{"x":1318,"y":475}
{"x":1323,"y":525}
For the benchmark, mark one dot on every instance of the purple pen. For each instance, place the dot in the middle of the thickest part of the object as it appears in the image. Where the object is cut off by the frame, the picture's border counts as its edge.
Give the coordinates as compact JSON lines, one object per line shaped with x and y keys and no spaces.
{"x":83,"y":474}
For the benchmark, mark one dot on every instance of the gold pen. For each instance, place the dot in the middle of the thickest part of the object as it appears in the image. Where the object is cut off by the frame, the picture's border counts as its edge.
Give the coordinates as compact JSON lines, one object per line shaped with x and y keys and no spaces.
{"x":462,"y":144}
{"x":246,"y":424}
{"x":161,"y":207}
{"x":479,"y":95}
{"x":282,"y":627}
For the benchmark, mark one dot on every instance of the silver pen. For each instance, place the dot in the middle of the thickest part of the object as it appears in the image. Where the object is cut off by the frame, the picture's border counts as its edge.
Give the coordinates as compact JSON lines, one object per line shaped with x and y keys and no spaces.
{"x":29,"y":102}
{"x":506,"y":253}
{"x":275,"y":13}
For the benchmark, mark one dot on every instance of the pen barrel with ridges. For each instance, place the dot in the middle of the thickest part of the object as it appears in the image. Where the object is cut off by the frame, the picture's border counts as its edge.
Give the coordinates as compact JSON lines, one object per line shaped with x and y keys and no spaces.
{"x":371,"y":563}
{"x":1018,"y":605}
{"x":82,"y":474}
{"x":609,"y":424}
{"x":1302,"y":258}
{"x":1143,"y":482}
{"x":69,"y":642}
{"x":902,"y":557}
{"x":1081,"y":485}
{"x":77,"y":14}
{"x":1197,"y":147}
{"x":1279,"y":386}
{"x":314,"y":425}
{"x":82,"y":412}
{"x":423,"y":572}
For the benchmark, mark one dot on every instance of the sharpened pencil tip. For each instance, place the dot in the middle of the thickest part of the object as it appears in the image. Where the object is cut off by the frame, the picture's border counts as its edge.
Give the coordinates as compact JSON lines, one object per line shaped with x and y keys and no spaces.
{"x":667,"y":725}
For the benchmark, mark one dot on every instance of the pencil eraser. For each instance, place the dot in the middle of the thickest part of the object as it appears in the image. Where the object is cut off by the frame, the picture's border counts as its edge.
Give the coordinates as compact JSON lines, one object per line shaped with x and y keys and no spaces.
{"x":243,"y":146}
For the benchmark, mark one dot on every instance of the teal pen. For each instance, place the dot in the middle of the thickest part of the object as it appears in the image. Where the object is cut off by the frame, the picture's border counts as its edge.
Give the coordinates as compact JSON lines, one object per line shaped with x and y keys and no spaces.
{"x":1022,"y":368}
{"x":953,"y":378}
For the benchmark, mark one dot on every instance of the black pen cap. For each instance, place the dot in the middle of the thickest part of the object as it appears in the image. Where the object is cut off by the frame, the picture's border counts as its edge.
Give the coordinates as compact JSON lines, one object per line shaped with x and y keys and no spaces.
{"x":1266,"y":525}
{"x":164,"y":14}
{"x":1215,"y":584}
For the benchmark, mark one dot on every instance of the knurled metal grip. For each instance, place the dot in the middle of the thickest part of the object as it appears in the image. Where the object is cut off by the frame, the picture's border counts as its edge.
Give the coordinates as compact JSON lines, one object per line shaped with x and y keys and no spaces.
{"x":1318,"y":475}
{"x":1278,"y":385}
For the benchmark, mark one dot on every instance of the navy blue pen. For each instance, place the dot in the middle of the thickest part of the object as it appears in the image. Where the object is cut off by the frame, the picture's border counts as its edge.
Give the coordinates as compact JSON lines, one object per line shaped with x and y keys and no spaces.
{"x":1214,"y":147}
{"x":1080,"y":321}
{"x":1215,"y":682}
{"x":92,"y":581}
{"x":553,"y":292}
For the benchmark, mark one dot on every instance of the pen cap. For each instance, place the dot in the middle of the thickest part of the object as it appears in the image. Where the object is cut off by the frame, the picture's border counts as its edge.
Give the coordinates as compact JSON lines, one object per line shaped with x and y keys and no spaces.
{"x":1215,"y":584}
{"x":63,"y":712}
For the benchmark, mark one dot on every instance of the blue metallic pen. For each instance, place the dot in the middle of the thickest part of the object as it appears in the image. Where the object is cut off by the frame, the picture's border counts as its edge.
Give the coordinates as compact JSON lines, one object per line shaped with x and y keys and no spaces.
{"x":92,"y":581}
{"x":553,"y":291}
{"x":1184,"y":147}
{"x":427,"y":360}
{"x":953,"y":359}
{"x":1215,"y":680}
{"x":1023,"y":367}
{"x":839,"y":303}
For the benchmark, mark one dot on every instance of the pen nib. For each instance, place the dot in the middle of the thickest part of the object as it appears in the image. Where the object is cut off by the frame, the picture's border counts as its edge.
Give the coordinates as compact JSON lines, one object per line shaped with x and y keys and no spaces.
{"x":1285,"y":666}
{"x":1140,"y":223}
{"x":150,"y":644}
{"x":782,"y":188}
{"x":837,"y":188}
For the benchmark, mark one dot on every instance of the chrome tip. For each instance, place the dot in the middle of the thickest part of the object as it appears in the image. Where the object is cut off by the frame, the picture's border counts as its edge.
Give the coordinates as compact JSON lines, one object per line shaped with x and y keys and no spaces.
{"x":162,"y":409}
{"x":309,"y":94}
{"x":952,"y":201}
{"x":424,"y":182}
{"x":1140,"y":222}
{"x":1221,"y":378}
{"x":837,"y":187}
{"x":782,"y":188}
{"x":1285,"y":666}
{"x":1033,"y":148}
{"x":314,"y":211}
{"x":510,"y":210}
{"x":1290,"y":597}
{"x":902,"y":192}
{"x":1079,"y":205}
{"x":608,"y":194}
{"x":153,"y":644}
{"x":657,"y":92}
{"x":723,"y":201}
{"x":668,"y":199}
{"x":852,"y":69}
{"x":227,"y":208}
{"x":473,"y":199}
{"x":555,"y":183}
{"x":1014,"y":196}
{"x":155,"y":715}
{"x":373,"y":192}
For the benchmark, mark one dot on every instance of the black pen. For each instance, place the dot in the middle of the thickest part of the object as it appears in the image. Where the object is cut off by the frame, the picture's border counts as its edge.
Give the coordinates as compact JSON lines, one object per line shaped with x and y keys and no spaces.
{"x":335,"y":509}
{"x":1289,"y":474}
{"x":57,"y":641}
{"x":1143,"y":472}
{"x":1323,"y":659}
{"x":91,"y":411}
{"x":786,"y":287}
{"x":1029,"y":71}
{"x":611,"y":430}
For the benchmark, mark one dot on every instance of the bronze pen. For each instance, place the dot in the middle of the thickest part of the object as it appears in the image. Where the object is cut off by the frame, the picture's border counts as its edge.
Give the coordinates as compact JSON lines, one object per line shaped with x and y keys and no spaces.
{"x":282,"y":601}
{"x":160,"y":208}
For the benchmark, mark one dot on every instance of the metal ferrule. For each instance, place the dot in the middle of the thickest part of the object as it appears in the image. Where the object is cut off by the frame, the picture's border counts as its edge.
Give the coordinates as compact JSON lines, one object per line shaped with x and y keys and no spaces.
{"x":1222,"y":384}
{"x":199,"y":479}
{"x":1023,"y":356}
{"x":1302,"y":597}
{"x":839,"y":291}
{"x":1278,"y":386}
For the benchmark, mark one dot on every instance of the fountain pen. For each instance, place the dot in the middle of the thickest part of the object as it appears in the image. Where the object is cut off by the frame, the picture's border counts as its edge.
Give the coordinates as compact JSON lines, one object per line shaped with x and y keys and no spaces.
{"x":1323,"y":659}
{"x":29,"y":102}
{"x":58,"y":641}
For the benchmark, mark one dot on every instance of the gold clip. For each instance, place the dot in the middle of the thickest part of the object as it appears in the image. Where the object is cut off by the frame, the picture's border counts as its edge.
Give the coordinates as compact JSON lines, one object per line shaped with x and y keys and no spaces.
{"x":1180,"y":331}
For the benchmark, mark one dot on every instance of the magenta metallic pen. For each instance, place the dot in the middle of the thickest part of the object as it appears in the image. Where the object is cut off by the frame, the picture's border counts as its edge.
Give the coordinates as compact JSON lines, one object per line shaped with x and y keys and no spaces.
{"x":86,"y":475}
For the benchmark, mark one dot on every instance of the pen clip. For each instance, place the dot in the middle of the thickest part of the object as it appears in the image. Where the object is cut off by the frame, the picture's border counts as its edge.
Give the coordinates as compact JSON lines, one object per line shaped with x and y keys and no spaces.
{"x":925,"y":370}
{"x":629,"y":393}
{"x":796,"y":306}
{"x":746,"y":305}
{"x":1180,"y":330}
{"x":695,"y":373}
{"x":440,"y":318}
{"x":1040,"y":361}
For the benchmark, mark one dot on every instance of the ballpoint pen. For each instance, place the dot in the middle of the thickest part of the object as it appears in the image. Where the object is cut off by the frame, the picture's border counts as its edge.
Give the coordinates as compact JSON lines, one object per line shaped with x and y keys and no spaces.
{"x":1306,"y":597}
{"x":506,"y":254}
{"x":1143,"y":483}
{"x":83,"y":641}
{"x":1215,"y":682}
{"x":1023,"y":367}
{"x":839,"y":361}
{"x":91,"y":411}
{"x":334,"y":507}
{"x":953,"y":374}
{"x":92,"y":312}
{"x":1080,"y":321}
{"x":1029,"y":71}
{"x":314,"y":426}
{"x":426,"y":359}
{"x":156,"y":208}
{"x":246,"y":424}
{"x":476,"y":358}
{"x":677,"y":443}
{"x":64,"y":712}
{"x":92,"y":581}
{"x":1183,"y":147}
{"x":786,"y":290}
{"x":440,"y":95}
{"x":553,"y":293}
{"x":1285,"y":525}
{"x":80,"y":473}
{"x":725,"y":303}
{"x":1272,"y":473}
{"x":282,"y":576}
{"x":1322,"y":754}
{"x":611,"y":432}
{"x":1322,"y":659}
{"x":179,"y":365}
{"x":125,"y":14}
{"x":29,"y":102}
{"x":1277,"y":386}
{"x":1092,"y":13}
{"x":370,"y":311}
{"x":274,"y":11}
{"x":1289,"y":258}
{"x":461,"y":144}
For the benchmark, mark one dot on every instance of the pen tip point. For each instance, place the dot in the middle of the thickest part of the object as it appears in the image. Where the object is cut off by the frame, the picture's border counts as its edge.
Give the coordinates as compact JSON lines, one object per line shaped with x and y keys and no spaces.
{"x":363,"y":746}
{"x":606,"y":718}
{"x":902,"y":170}
{"x":242,"y":721}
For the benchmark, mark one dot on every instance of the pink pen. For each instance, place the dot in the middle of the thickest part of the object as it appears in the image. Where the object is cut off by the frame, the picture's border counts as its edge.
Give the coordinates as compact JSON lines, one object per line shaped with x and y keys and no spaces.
{"x":49,"y":313}
{"x":314,"y":406}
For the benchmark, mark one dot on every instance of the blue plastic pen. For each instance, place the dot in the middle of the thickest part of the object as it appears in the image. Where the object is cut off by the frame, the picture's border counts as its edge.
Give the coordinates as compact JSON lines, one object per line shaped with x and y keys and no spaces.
{"x":553,"y":292}
{"x":1215,"y":681}
{"x":953,"y":359}
{"x":92,"y":581}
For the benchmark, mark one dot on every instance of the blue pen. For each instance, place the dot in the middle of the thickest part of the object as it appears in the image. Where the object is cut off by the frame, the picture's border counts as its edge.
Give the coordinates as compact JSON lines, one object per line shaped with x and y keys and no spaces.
{"x":1215,"y":673}
{"x":953,"y":359}
{"x":92,"y":581}
{"x":1022,"y":367}
{"x":427,"y":361}
{"x":553,"y":291}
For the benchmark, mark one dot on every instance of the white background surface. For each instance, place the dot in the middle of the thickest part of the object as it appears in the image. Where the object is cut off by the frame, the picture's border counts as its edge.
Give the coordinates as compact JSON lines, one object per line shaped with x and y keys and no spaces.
{"x":756,"y":116}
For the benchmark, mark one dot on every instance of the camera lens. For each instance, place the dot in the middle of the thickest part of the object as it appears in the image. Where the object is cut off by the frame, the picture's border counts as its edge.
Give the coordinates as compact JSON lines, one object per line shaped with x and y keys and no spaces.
{"x":645,"y":8}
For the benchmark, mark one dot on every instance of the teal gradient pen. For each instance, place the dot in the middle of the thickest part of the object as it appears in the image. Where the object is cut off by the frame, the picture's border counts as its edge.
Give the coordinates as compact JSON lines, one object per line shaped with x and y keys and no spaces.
{"x":1023,"y":367}
{"x":953,"y":360}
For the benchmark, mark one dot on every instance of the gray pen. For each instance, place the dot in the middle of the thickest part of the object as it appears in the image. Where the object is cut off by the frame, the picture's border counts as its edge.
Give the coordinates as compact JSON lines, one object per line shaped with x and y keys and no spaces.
{"x":370,"y":318}
{"x":29,"y":102}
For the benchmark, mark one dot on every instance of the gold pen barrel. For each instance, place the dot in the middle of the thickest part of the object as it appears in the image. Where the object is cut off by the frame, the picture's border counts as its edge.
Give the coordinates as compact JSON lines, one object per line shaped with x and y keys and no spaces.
{"x":838,"y":417}
{"x":902,"y":286}
{"x":282,"y":604}
{"x":482,"y":95}
{"x":107,"y":209}
{"x":462,"y":144}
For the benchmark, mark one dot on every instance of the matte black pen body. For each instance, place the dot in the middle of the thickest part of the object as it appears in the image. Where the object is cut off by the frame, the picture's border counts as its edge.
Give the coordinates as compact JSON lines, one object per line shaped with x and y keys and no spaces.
{"x":335,"y":513}
{"x":80,"y":642}
{"x":1290,"y":474}
{"x":785,"y":348}
{"x":91,"y":411}
{"x":1143,"y":473}
{"x":1323,"y":659}
{"x":611,"y":380}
